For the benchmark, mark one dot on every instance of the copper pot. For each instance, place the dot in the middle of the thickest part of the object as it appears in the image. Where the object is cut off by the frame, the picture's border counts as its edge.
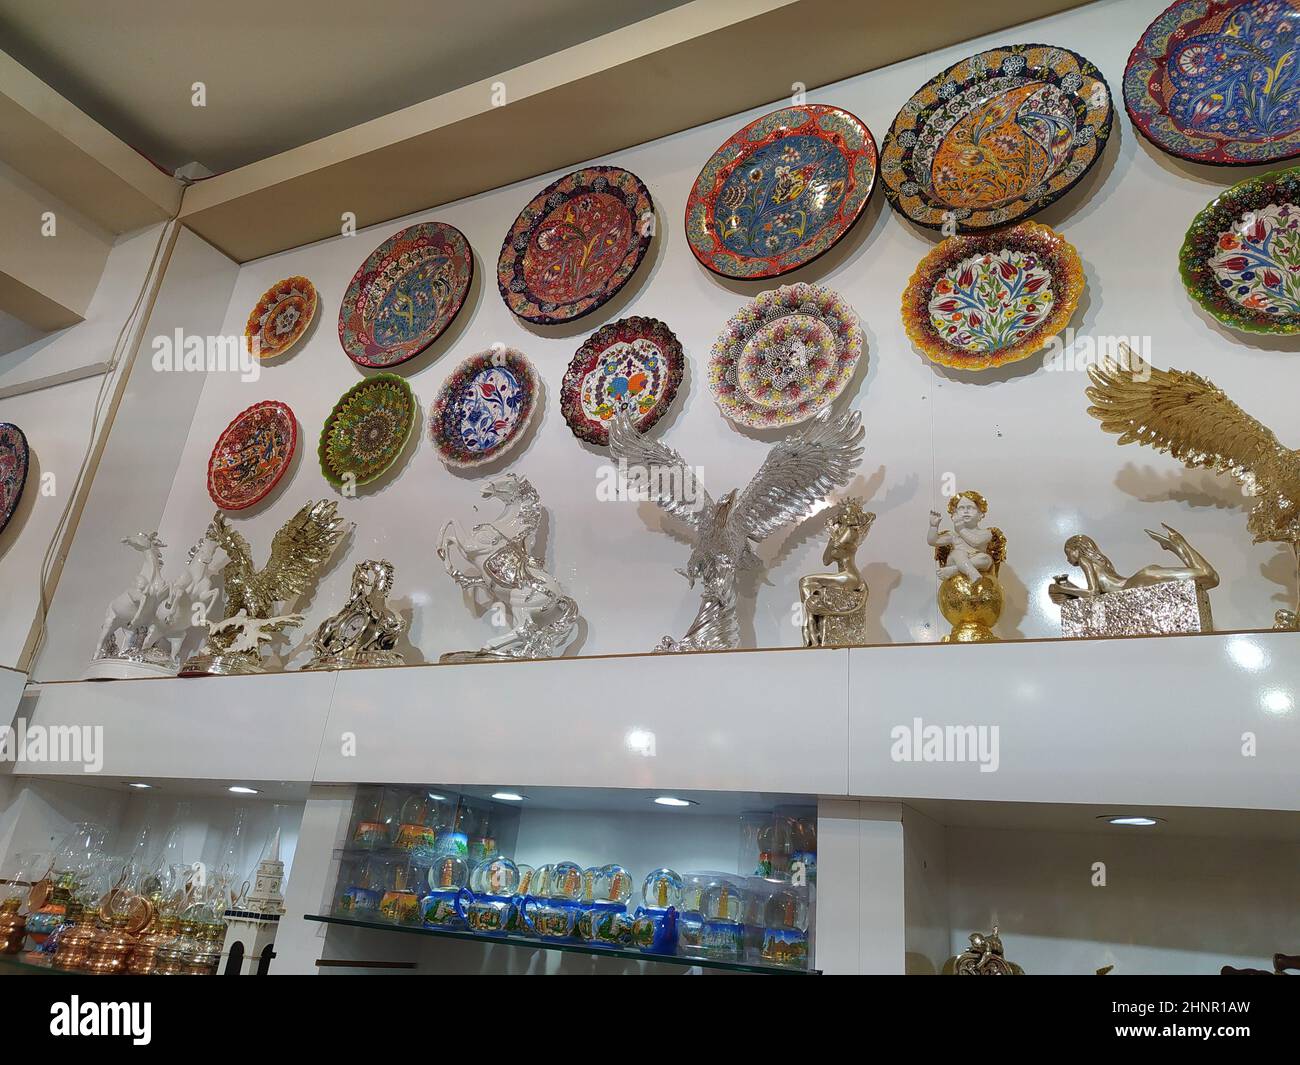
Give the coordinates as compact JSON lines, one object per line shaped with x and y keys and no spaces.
{"x":13,"y":927}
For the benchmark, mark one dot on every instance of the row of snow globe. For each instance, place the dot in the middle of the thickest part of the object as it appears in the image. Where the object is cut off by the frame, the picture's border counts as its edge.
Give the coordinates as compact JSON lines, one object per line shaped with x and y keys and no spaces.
{"x":712,"y":915}
{"x":429,"y":858}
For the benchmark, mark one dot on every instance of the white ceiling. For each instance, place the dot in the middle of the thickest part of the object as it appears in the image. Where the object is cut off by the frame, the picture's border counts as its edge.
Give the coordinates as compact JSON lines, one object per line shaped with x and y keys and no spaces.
{"x":281,"y":75}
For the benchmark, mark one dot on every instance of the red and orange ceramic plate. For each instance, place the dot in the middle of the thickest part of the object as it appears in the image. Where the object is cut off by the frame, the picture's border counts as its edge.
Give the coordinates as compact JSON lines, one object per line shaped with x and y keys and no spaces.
{"x":987,"y":299}
{"x":575,"y":245}
{"x":252,"y":454}
{"x":781,"y":191}
{"x":996,"y":138}
{"x":281,"y":317}
{"x":405,"y":295}
{"x":633,"y":366}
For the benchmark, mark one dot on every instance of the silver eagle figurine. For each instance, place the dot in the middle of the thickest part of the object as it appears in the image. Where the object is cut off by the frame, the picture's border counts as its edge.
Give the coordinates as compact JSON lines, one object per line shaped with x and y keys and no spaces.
{"x":796,"y":475}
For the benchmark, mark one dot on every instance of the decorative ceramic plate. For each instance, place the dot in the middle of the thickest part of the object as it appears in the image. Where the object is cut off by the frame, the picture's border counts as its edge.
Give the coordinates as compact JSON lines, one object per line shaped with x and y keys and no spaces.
{"x":996,"y":137}
{"x":367,"y":430}
{"x":15,"y":458}
{"x":251,"y":455}
{"x":986,"y":299}
{"x":406,"y":294}
{"x":281,"y":316}
{"x":1218,"y":81}
{"x":575,"y":245}
{"x":784,"y":356}
{"x":781,"y":191}
{"x":484,"y":407}
{"x":1240,"y":259}
{"x":632,"y":365}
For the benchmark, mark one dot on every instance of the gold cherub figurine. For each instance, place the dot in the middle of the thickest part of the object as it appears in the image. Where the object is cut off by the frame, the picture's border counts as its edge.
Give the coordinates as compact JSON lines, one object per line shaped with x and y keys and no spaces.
{"x":969,"y":558}
{"x":835,"y":604}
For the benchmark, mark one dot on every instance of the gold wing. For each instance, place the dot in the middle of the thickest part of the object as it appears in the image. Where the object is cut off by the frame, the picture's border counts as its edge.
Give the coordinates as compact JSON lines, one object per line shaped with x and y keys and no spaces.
{"x":299,"y":549}
{"x":231,"y":542}
{"x":1186,"y":415}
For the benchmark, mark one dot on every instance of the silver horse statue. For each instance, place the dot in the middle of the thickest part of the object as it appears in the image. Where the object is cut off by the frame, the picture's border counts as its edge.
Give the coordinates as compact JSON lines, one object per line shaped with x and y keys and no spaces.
{"x":500,"y":564}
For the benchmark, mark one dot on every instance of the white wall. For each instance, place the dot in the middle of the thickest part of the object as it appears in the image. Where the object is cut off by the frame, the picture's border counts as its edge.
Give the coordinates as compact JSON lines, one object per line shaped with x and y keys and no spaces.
{"x":1020,"y":435}
{"x":57,"y":421}
{"x":1170,"y":905}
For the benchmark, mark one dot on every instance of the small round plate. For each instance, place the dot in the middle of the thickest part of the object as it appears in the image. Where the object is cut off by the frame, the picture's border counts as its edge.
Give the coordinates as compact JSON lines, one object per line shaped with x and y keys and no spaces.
{"x":633,"y":365}
{"x":1216,"y":81}
{"x":405,"y":294}
{"x":1240,"y":259}
{"x":367,"y":430}
{"x":987,"y":299}
{"x":484,"y":407}
{"x":575,"y":245}
{"x":281,"y":317}
{"x":784,"y":356}
{"x":15,"y":459}
{"x":782,"y":191}
{"x":251,"y":455}
{"x":996,"y":137}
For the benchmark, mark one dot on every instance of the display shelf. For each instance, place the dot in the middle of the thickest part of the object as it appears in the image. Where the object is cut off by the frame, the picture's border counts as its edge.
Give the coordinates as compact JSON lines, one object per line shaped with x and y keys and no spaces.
{"x":685,"y":961}
{"x":1216,"y":724}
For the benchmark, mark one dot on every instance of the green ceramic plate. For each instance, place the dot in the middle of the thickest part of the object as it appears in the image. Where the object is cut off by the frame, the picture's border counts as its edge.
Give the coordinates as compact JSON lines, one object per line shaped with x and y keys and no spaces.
{"x":1241,"y":257}
{"x":367,"y":430}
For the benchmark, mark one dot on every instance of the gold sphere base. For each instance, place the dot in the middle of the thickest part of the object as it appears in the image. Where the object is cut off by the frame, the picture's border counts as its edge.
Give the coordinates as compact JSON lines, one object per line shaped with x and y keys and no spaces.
{"x":971,"y":609}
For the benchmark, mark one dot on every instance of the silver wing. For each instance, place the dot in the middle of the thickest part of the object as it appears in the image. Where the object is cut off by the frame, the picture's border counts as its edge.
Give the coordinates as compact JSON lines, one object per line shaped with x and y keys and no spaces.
{"x":669,"y":482}
{"x":799,"y":472}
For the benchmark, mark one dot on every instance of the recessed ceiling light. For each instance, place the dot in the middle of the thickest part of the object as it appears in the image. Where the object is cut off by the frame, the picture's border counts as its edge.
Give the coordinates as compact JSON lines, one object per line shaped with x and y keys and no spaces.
{"x":137,"y":784}
{"x":671,"y":800}
{"x":1136,"y":820}
{"x":239,"y":789}
{"x":507,"y":796}
{"x":437,"y":798}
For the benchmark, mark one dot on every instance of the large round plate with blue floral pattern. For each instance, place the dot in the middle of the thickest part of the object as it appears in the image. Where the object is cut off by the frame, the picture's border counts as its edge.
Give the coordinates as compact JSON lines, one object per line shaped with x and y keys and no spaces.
{"x":1218,"y":81}
{"x":406,"y":294}
{"x":484,"y":407}
{"x":782,"y":191}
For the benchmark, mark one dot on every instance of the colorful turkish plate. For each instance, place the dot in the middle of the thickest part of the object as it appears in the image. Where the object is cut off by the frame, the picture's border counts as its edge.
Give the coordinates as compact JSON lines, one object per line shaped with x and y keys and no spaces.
{"x":251,"y":455}
{"x":575,"y":245}
{"x":367,"y":430}
{"x":996,"y":137}
{"x":15,"y":459}
{"x":484,"y":407}
{"x":405,"y":294}
{"x":1240,"y":259}
{"x":784,"y":356}
{"x":633,"y":365}
{"x":986,"y":299}
{"x":281,"y":317}
{"x":1218,"y":81}
{"x":781,"y":191}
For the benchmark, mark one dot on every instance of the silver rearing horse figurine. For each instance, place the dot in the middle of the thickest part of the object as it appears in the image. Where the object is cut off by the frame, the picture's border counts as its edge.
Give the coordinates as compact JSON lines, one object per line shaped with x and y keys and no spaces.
{"x":542,"y":618}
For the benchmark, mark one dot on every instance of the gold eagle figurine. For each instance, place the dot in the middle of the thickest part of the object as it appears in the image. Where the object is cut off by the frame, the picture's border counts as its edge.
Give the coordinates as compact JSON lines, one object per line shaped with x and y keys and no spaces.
{"x":1194,"y":421}
{"x":298,"y":551}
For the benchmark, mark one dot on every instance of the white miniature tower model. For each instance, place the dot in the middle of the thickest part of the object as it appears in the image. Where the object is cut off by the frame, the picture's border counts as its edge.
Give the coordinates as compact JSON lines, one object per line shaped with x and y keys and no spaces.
{"x":252,"y":923}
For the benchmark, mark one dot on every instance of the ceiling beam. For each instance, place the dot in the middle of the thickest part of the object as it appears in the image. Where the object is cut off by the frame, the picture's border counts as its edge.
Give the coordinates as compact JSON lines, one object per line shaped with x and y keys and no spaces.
{"x":689,"y":65}
{"x":66,"y":152}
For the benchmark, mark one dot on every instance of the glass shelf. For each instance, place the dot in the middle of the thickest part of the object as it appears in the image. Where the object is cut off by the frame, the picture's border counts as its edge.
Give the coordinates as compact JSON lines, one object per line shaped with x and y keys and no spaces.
{"x":570,"y":948}
{"x":13,"y":965}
